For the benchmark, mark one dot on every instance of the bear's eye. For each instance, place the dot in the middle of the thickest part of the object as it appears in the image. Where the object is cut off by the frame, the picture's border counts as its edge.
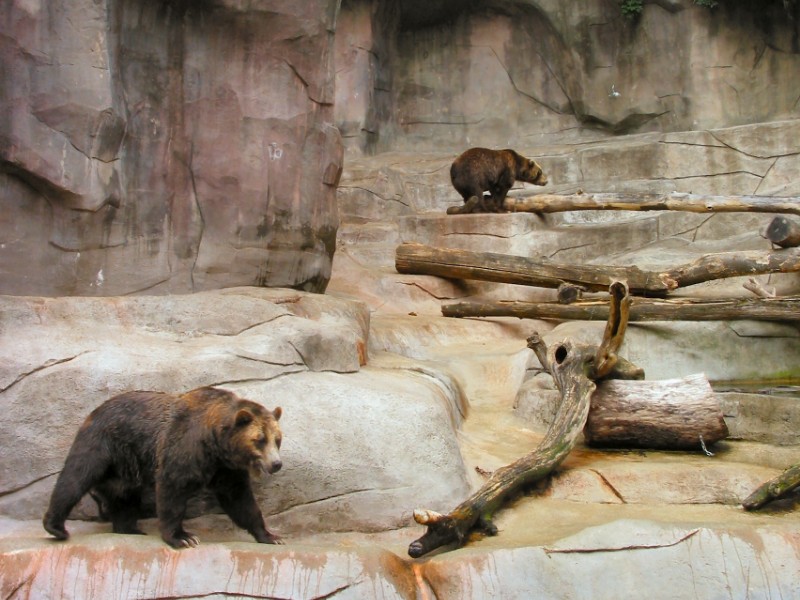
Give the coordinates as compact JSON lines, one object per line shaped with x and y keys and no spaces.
{"x":278,"y":441}
{"x":261,"y":441}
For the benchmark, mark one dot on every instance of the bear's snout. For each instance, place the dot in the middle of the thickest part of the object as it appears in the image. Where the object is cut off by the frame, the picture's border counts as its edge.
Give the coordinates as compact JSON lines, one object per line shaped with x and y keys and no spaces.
{"x":274,"y":466}
{"x":541,"y":179}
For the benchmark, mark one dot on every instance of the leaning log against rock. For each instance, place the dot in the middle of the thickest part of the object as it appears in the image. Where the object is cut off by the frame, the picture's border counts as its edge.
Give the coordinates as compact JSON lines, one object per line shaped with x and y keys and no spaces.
{"x":573,"y":368}
{"x":786,"y":308}
{"x":570,"y":365}
{"x":453,"y":263}
{"x":550,"y":203}
{"x":774,"y":489}
{"x":670,"y":414}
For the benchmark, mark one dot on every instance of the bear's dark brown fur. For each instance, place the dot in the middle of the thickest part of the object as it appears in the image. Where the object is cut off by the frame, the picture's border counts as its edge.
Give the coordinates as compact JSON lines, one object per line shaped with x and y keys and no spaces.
{"x":480,"y":170}
{"x":144,"y":444}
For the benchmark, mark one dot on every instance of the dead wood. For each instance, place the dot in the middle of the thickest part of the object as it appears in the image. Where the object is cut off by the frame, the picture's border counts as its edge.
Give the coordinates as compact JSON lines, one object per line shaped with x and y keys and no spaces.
{"x":489,"y":266}
{"x":550,"y":203}
{"x":670,"y":414}
{"x":454,"y":263}
{"x":759,"y":289}
{"x":733,"y":264}
{"x":774,"y":489}
{"x":572,"y":367}
{"x":783,"y":232}
{"x":642,"y":309}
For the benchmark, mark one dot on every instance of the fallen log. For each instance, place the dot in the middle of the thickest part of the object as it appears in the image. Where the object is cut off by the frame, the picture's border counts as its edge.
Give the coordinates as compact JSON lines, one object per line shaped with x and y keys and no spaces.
{"x":550,"y":203}
{"x":412,"y":258}
{"x":643,"y":309}
{"x":453,"y":263}
{"x":572,"y":367}
{"x":670,"y":414}
{"x":783,"y":232}
{"x":774,"y":489}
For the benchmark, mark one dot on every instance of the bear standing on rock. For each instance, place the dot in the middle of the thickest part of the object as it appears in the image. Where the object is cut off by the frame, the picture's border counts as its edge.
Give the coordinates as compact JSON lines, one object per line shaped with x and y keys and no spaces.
{"x":480,"y":170}
{"x":140,"y":443}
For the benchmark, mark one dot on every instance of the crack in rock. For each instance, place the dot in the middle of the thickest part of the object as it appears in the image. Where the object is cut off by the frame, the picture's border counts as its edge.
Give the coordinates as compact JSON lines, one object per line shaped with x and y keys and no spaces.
{"x":47,"y":365}
{"x":622,"y":548}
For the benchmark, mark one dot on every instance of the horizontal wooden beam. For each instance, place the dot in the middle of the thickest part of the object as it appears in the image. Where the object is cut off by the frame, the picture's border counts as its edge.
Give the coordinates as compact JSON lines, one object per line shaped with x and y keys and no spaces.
{"x":698,"y":203}
{"x":454,"y":263}
{"x":642,"y":309}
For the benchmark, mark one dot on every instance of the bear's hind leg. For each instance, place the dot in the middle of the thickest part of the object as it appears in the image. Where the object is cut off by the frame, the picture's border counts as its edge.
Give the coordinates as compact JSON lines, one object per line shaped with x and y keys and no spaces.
{"x":120,"y":505}
{"x":498,"y":201}
{"x":86,"y":465}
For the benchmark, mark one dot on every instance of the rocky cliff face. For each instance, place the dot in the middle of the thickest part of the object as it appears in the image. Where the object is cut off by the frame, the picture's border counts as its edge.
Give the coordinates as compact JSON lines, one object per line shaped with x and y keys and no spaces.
{"x":517,"y":72}
{"x":166,"y":146}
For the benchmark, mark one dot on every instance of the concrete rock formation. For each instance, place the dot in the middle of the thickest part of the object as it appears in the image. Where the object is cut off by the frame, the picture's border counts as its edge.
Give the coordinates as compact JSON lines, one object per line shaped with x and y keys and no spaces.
{"x":507,"y":73}
{"x":151,"y":147}
{"x":166,"y":146}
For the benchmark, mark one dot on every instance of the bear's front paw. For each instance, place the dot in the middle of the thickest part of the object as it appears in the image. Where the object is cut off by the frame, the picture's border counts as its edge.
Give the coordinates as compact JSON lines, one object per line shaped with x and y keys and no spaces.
{"x":183,"y":539}
{"x":269,"y":538}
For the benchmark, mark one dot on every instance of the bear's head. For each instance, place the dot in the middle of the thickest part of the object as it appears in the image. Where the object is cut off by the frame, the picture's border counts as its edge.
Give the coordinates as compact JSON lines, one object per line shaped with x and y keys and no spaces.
{"x":253,"y":441}
{"x":531,"y":172}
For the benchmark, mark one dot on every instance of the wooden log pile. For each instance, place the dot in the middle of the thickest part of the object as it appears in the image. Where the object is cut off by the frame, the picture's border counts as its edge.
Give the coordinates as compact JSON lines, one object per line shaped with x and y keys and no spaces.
{"x":602,"y":394}
{"x":572,"y":280}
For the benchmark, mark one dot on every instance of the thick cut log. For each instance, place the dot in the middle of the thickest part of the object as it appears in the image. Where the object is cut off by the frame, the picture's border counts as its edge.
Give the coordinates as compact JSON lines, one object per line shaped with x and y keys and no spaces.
{"x":488,"y":266}
{"x":643,"y":309}
{"x":550,"y":203}
{"x":774,"y":489}
{"x":783,"y":232}
{"x":572,"y":368}
{"x":670,"y":414}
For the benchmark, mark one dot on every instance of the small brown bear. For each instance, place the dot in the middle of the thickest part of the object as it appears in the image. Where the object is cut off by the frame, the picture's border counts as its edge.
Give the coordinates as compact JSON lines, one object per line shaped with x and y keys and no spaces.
{"x":480,"y":170}
{"x":143,"y":444}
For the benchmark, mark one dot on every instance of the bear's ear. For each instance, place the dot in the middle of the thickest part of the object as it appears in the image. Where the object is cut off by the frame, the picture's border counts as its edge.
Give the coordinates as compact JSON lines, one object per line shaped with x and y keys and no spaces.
{"x":244,"y":417}
{"x":277,"y":413}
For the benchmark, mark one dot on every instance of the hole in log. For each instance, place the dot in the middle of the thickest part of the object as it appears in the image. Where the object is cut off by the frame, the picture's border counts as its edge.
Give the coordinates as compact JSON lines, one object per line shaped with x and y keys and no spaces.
{"x":561,"y":354}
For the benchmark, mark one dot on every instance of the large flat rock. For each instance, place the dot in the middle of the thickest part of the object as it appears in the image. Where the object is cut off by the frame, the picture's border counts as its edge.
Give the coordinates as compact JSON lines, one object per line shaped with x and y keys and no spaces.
{"x":358,"y":441}
{"x":615,"y":560}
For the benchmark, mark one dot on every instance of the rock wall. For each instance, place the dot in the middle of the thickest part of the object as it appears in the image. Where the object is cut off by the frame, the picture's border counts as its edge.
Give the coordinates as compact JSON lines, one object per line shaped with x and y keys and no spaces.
{"x":520,"y":72}
{"x":166,"y":146}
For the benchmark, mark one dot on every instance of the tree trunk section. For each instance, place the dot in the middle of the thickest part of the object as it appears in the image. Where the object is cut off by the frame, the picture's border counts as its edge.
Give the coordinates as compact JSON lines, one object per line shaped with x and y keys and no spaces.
{"x":573,"y":367}
{"x":488,"y":266}
{"x":671,"y":414}
{"x":643,"y":309}
{"x":697,"y":203}
{"x":783,"y":232}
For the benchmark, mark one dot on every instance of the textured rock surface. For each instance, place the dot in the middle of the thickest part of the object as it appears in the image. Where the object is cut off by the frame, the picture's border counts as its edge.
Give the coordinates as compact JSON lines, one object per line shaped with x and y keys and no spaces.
{"x":169,"y":147}
{"x":188,"y":148}
{"x":342,"y":424}
{"x":459,"y":74}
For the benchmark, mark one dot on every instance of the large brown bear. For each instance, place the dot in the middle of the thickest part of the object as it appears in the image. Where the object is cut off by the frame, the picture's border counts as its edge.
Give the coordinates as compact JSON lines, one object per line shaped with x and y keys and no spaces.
{"x":143,"y":444}
{"x":480,"y":170}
